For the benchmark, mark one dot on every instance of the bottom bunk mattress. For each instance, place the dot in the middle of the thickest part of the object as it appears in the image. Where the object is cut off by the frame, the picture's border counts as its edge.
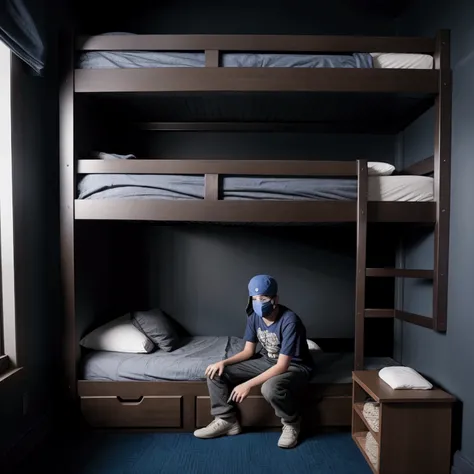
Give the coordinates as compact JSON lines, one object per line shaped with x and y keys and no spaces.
{"x":381,"y":188}
{"x":189,"y":362}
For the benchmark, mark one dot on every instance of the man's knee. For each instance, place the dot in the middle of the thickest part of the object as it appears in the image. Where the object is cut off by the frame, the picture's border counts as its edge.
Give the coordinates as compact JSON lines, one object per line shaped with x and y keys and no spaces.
{"x":269,"y":389}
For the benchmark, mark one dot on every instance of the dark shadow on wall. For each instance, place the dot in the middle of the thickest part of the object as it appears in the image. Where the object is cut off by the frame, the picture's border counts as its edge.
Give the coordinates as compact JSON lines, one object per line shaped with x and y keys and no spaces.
{"x":243,"y":17}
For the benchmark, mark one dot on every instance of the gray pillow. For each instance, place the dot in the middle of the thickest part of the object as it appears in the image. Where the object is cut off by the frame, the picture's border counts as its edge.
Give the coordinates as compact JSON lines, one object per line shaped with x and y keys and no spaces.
{"x":158,"y":327}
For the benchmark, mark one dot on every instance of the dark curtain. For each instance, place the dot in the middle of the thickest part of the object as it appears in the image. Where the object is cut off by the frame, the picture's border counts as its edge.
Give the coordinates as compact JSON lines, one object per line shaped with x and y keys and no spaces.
{"x":19,"y":31}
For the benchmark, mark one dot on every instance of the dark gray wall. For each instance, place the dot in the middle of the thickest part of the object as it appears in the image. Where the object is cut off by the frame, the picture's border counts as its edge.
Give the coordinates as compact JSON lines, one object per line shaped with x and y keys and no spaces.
{"x":242,"y":17}
{"x":448,"y":358}
{"x":275,"y":146}
{"x":199,"y":274}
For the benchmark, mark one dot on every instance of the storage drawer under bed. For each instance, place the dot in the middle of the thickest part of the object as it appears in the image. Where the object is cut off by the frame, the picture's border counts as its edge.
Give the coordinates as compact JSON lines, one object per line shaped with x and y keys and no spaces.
{"x":151,"y":411}
{"x":183,"y":406}
{"x":159,"y":406}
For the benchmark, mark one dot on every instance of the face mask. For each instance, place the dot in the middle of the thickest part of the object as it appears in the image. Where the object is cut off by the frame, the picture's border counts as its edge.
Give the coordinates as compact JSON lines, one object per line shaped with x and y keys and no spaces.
{"x":262,"y":308}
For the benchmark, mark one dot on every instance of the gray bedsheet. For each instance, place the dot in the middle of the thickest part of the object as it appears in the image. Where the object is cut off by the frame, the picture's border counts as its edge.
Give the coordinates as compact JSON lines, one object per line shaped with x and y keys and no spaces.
{"x":189,"y":362}
{"x":146,"y":59}
{"x":110,"y":186}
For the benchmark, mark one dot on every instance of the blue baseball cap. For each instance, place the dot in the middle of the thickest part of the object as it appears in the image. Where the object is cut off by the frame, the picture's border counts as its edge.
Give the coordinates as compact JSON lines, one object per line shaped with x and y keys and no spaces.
{"x":263,"y":285}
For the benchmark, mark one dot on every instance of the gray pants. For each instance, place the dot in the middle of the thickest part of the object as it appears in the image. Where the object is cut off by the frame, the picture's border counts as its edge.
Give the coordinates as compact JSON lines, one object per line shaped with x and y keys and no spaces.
{"x":281,"y":391}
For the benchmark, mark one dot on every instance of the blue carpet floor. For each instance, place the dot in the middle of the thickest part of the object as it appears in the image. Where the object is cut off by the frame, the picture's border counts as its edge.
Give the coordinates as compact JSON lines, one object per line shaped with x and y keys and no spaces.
{"x":169,"y":453}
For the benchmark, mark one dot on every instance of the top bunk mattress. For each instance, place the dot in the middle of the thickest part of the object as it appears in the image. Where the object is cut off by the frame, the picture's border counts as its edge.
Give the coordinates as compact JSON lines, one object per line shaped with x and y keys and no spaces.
{"x":190,"y":360}
{"x":158,"y":59}
{"x":147,"y":59}
{"x":177,"y":187}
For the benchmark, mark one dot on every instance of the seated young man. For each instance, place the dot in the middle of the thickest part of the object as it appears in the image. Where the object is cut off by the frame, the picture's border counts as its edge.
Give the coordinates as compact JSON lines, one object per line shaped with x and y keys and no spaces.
{"x":282,"y":368}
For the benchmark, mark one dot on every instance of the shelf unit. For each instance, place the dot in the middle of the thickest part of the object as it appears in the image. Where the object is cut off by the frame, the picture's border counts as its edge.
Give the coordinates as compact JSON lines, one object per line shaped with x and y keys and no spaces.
{"x":414,"y":433}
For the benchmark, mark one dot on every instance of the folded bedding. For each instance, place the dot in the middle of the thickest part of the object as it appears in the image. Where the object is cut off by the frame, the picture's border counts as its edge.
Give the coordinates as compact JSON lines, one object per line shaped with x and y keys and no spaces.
{"x":189,"y":361}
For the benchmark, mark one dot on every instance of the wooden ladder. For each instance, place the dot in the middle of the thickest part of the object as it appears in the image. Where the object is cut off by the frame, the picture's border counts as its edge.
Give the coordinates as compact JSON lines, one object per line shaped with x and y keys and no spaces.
{"x":362,"y":272}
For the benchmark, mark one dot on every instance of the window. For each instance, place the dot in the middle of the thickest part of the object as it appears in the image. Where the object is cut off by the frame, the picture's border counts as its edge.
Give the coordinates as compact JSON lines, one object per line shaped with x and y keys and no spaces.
{"x":7,"y":294}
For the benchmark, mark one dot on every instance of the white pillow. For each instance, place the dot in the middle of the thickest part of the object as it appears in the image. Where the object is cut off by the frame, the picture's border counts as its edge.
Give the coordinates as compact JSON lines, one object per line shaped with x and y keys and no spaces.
{"x":401,"y":378}
{"x":118,"y":335}
{"x":312,"y":345}
{"x":379,"y":168}
{"x":102,"y":155}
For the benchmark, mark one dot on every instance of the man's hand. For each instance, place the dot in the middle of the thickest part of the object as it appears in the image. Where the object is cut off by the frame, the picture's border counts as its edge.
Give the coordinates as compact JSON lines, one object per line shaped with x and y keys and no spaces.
{"x":240,"y":393}
{"x":213,"y":369}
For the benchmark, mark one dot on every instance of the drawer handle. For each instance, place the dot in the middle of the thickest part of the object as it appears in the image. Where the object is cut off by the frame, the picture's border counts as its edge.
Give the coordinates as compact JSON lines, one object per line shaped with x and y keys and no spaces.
{"x":130,"y":401}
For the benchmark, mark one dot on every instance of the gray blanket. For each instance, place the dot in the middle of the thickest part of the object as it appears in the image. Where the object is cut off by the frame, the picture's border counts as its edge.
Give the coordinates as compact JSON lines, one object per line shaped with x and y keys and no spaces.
{"x":146,"y":59}
{"x":188,"y":362}
{"x":109,"y":186}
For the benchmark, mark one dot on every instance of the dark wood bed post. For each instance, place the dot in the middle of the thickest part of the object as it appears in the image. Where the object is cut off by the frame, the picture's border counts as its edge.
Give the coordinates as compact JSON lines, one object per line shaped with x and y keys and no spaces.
{"x":67,"y":195}
{"x":362,"y":190}
{"x":442,"y":177}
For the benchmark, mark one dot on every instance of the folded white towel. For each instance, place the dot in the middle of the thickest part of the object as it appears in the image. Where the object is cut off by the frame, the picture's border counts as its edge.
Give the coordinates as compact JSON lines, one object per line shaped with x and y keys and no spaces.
{"x":400,"y":378}
{"x":372,"y":449}
{"x":371,"y":414}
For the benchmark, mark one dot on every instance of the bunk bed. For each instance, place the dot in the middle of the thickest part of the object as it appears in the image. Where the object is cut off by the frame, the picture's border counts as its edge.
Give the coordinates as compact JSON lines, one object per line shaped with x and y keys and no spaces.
{"x":336,"y":83}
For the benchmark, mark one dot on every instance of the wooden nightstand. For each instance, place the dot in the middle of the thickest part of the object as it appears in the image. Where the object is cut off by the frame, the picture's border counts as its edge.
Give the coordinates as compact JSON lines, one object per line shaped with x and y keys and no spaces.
{"x":414,"y":434}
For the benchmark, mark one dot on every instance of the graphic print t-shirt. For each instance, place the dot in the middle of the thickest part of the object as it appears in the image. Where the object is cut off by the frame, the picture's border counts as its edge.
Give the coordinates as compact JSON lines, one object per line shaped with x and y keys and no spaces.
{"x":286,"y":335}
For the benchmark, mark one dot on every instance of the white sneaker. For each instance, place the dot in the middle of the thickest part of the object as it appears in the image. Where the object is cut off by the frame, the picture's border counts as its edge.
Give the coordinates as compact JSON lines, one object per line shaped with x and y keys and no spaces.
{"x":218,"y":427}
{"x":289,"y":436}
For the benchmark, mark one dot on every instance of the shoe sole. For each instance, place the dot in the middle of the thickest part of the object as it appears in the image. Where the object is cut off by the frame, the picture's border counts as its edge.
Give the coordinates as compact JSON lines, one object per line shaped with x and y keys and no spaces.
{"x":232,"y":432}
{"x":288,"y":446}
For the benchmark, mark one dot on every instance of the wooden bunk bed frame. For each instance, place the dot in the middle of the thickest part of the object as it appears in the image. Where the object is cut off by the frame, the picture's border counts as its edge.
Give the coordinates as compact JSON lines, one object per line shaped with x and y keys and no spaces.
{"x":185,"y":405}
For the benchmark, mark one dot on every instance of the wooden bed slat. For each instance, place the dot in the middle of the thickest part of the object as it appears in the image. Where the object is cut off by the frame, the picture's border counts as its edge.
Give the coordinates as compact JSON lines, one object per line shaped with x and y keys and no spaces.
{"x":229,"y":167}
{"x":256,"y":80}
{"x":228,"y":126}
{"x":243,"y":211}
{"x":364,"y":125}
{"x":417,"y":319}
{"x":257,"y":43}
{"x":399,"y":273}
{"x":379,"y":313}
{"x":216,"y":211}
{"x":416,"y":212}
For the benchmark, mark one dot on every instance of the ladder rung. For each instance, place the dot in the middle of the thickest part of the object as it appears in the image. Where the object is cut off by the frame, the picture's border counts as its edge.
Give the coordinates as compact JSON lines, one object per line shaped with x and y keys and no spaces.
{"x":379,"y":313}
{"x":399,"y":273}
{"x":415,"y":319}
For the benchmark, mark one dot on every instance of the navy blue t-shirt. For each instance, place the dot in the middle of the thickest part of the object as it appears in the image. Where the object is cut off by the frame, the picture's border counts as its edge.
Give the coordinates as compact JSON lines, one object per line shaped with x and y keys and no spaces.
{"x":286,"y":335}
